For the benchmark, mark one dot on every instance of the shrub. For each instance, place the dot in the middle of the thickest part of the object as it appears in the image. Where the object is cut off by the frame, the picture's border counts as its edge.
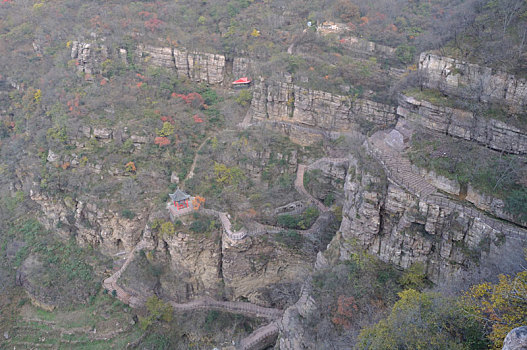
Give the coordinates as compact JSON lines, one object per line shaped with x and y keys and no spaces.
{"x":405,"y":53}
{"x":200,"y":226}
{"x":128,"y":214}
{"x":167,"y":229}
{"x":244,"y":98}
{"x":423,"y":321}
{"x":516,"y":204}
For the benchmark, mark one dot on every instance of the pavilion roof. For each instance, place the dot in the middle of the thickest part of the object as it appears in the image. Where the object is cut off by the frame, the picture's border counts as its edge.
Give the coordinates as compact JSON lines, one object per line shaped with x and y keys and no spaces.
{"x":179,"y":196}
{"x":243,"y":80}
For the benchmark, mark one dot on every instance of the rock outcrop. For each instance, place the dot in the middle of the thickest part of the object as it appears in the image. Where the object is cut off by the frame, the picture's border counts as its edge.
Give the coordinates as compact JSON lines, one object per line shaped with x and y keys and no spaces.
{"x":255,"y":268}
{"x":197,"y":66}
{"x":367,"y":48}
{"x":195,"y":265}
{"x":402,"y":229}
{"x":200,"y":66}
{"x":88,"y":57}
{"x":92,"y":226}
{"x":461,"y":79}
{"x":464,"y":124}
{"x":516,"y":339}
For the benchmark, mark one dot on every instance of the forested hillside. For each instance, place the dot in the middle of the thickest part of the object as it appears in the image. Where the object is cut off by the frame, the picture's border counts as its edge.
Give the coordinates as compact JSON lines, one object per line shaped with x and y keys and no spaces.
{"x":362,"y":185}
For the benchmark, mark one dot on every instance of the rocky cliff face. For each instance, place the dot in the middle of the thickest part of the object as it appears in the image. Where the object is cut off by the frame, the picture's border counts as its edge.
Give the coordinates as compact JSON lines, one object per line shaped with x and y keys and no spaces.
{"x":91,"y":225}
{"x":284,"y":102}
{"x":463,"y":124}
{"x":465,"y":80}
{"x":262,"y":271}
{"x":401,"y":229}
{"x":197,"y":66}
{"x":88,"y":57}
{"x":194,"y":265}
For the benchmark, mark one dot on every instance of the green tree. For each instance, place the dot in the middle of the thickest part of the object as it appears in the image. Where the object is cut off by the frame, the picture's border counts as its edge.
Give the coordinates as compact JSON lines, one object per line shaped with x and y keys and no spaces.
{"x":157,"y":311}
{"x":244,"y":98}
{"x":414,"y":277}
{"x":500,"y":307}
{"x":423,"y":321}
{"x":166,"y":130}
{"x":167,"y":229}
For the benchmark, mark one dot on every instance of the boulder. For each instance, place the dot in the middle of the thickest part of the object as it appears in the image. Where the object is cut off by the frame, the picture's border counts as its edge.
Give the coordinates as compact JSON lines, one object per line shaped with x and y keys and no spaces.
{"x":516,"y":339}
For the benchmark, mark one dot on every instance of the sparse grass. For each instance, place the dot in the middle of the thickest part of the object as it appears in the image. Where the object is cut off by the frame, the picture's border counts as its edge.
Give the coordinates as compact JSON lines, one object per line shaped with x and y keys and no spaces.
{"x":489,"y":172}
{"x":435,"y":97}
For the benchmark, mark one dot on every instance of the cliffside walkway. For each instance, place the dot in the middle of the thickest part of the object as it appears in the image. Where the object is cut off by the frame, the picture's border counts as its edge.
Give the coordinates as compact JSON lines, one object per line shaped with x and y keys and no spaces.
{"x":400,"y":171}
{"x":299,"y":185}
{"x":299,"y":180}
{"x":259,"y":339}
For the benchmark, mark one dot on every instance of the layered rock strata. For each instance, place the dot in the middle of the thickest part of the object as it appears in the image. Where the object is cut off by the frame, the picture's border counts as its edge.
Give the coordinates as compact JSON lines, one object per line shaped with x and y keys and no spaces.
{"x":402,"y":229}
{"x":286,"y":104}
{"x":462,"y":79}
{"x":492,"y":133}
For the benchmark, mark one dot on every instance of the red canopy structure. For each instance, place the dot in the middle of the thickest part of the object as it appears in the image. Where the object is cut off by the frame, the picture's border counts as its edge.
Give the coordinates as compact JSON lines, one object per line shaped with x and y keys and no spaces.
{"x":241,"y":81}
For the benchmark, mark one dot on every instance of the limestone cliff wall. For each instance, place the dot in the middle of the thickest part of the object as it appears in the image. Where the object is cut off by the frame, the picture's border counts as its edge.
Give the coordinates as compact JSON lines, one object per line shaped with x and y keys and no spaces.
{"x":401,"y":229}
{"x":464,"y":124}
{"x":88,"y":57}
{"x":457,"y":78}
{"x":284,"y":102}
{"x":91,"y":225}
{"x":197,"y":66}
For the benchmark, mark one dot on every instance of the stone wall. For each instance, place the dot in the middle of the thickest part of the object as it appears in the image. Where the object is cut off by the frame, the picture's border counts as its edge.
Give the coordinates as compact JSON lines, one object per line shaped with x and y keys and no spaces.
{"x":464,"y":124}
{"x":461,"y":79}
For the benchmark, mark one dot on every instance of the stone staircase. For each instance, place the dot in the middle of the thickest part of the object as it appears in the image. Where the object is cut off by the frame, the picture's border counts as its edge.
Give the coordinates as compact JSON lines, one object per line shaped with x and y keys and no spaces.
{"x":398,"y":168}
{"x":261,"y":338}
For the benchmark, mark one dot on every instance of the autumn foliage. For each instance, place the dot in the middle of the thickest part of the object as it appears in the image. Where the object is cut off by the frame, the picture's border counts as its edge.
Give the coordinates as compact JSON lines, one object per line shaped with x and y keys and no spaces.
{"x":197,"y":202}
{"x":194,"y":99}
{"x":162,"y":141}
{"x":130,"y":167}
{"x":346,"y":309}
{"x":501,"y":307}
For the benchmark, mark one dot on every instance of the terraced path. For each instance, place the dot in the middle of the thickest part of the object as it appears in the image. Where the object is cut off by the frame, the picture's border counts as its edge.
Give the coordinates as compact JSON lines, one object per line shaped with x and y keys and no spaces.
{"x":261,"y":337}
{"x":299,"y":180}
{"x":190,"y":173}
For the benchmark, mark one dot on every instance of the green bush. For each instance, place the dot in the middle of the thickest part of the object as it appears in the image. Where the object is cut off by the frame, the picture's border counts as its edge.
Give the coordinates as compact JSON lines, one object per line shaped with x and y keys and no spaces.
{"x":516,"y":203}
{"x":423,"y":321}
{"x":244,"y":98}
{"x":128,"y":214}
{"x":302,"y":222}
{"x":289,"y":238}
{"x":405,"y":53}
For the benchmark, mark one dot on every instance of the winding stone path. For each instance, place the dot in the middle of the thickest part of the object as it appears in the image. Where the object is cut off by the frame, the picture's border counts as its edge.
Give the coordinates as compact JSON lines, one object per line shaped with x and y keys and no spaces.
{"x":259,"y":339}
{"x":299,"y":185}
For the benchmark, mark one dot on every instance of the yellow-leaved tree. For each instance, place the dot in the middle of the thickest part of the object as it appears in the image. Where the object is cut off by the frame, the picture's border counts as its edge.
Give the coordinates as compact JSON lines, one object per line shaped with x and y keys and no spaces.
{"x":501,"y":307}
